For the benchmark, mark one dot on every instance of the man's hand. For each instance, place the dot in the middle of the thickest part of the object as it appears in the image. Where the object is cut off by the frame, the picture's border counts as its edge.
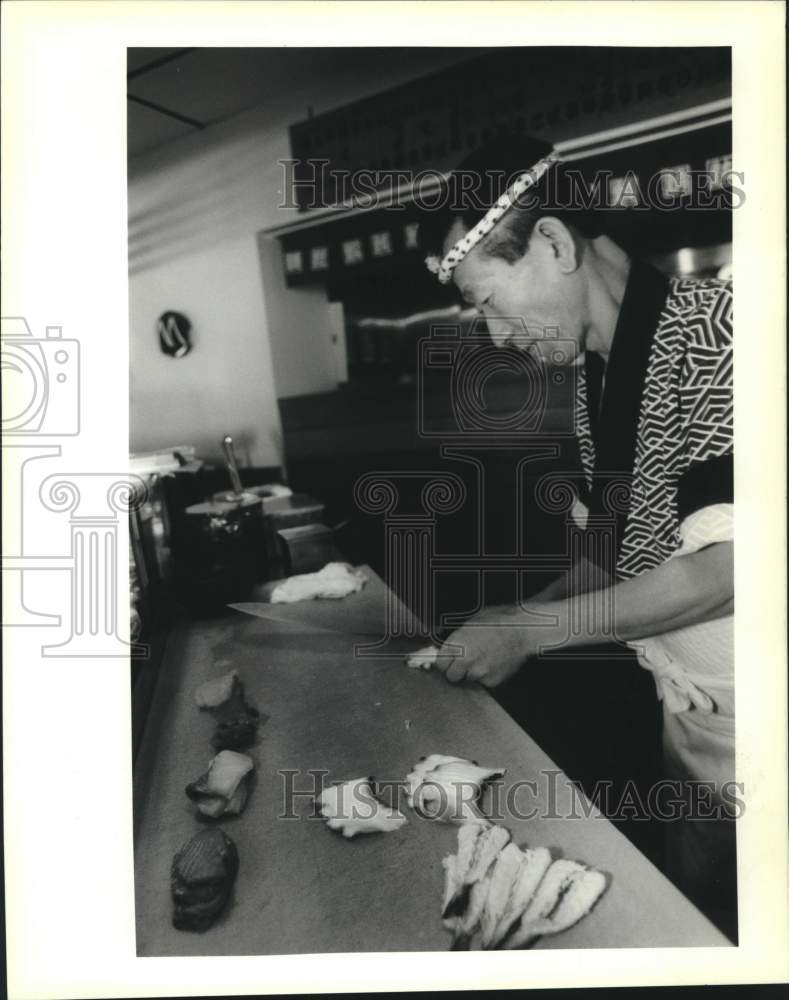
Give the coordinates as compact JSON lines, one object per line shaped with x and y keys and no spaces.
{"x":682,"y":591}
{"x":495,"y":644}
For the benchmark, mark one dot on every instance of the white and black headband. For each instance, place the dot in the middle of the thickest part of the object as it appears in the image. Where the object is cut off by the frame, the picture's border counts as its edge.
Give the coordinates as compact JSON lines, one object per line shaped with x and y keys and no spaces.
{"x":444,"y":268}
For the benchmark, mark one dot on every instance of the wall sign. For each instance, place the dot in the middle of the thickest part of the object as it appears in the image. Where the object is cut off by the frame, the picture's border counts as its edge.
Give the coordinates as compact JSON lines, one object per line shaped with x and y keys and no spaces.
{"x":662,"y":170}
{"x":352,"y":252}
{"x":174,"y":334}
{"x":431,"y":122}
{"x":319,"y":259}
{"x":293,"y":264}
{"x":381,"y":244}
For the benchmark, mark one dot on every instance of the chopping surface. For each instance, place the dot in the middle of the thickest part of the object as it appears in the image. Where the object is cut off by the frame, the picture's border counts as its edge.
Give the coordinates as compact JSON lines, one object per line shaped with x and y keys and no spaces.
{"x":302,"y":888}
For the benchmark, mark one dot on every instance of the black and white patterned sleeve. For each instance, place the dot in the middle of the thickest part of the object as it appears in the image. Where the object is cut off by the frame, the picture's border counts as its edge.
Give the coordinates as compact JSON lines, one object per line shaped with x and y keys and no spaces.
{"x":707,"y":404}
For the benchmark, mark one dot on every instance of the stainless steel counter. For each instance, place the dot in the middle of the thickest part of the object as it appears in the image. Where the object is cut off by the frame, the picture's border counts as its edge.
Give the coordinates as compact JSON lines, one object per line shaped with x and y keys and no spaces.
{"x":302,"y":888}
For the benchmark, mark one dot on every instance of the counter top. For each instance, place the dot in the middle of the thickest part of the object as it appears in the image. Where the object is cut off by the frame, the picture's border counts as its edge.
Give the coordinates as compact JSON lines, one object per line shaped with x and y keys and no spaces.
{"x":302,"y":888}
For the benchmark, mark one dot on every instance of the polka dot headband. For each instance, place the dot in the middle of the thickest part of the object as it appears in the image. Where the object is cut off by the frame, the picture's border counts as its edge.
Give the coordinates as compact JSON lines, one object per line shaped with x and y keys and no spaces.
{"x":444,"y":268}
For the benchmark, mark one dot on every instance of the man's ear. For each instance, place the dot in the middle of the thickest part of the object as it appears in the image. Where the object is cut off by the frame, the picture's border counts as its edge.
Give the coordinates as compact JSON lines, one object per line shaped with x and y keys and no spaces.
{"x":561,"y":242}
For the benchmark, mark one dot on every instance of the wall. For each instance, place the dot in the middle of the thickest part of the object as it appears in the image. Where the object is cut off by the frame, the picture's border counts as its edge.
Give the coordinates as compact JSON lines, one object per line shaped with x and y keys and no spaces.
{"x":225,"y":384}
{"x":303,"y":362}
{"x":195,"y":208}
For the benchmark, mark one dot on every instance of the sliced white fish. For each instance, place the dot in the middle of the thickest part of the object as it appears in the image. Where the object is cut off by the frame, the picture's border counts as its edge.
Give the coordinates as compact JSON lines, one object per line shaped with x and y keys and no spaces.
{"x":453,"y":883}
{"x":415,"y":777}
{"x":222,"y":790}
{"x":463,"y":770}
{"x":585,"y":889}
{"x":448,"y":787}
{"x":214,"y":693}
{"x":567,"y":893}
{"x":468,"y":923}
{"x":490,"y":841}
{"x":555,"y":880}
{"x":457,"y":867}
{"x":352,"y":808}
{"x":468,"y":838}
{"x":478,"y":848}
{"x":533,"y":866}
{"x":501,"y":882}
{"x":334,"y":581}
{"x":423,"y":659}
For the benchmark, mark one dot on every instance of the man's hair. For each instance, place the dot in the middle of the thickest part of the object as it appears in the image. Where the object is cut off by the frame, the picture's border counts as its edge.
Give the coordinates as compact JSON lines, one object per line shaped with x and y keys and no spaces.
{"x":483,"y":176}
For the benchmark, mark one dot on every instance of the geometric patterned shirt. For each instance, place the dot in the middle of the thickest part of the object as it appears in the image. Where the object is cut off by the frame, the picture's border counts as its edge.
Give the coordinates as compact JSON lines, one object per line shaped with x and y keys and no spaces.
{"x":681,"y":455}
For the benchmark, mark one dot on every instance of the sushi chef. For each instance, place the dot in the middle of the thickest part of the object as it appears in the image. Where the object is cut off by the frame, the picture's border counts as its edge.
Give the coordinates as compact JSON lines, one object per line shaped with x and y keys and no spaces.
{"x":653,"y":408}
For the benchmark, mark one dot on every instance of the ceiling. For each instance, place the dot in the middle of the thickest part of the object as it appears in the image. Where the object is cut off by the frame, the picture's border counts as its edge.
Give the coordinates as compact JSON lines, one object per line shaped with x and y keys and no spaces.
{"x":175,"y":92}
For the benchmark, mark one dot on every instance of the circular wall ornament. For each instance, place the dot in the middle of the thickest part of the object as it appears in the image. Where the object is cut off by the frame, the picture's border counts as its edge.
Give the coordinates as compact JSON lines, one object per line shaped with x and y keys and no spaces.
{"x":174,"y":334}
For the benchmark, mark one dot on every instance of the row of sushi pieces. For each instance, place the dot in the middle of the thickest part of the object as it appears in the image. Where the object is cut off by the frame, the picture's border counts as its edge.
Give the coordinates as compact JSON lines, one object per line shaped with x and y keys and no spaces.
{"x":204,"y":869}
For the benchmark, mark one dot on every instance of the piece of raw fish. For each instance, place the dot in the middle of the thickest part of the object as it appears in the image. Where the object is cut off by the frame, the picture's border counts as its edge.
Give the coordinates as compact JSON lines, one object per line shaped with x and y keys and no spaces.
{"x":533,"y":866}
{"x":478,"y":848}
{"x":213,"y":693}
{"x":567,"y":893}
{"x":223,"y":789}
{"x":236,"y":723}
{"x":352,"y":808}
{"x":501,"y":881}
{"x":334,"y":581}
{"x":201,"y":879}
{"x":448,"y":788}
{"x":423,"y":659}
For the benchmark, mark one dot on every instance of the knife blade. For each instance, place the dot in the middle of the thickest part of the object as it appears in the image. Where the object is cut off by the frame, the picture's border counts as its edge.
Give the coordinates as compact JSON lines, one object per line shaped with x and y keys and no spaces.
{"x":268,"y":613}
{"x":402,"y":645}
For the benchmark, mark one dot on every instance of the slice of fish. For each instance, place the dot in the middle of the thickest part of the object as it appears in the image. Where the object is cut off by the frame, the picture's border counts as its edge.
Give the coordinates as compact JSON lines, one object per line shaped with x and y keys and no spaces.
{"x":415,"y":777}
{"x":453,"y":882}
{"x":491,"y":840}
{"x":489,"y":847}
{"x":478,"y":848}
{"x":448,"y":788}
{"x":201,"y":879}
{"x":223,"y":789}
{"x":533,"y":866}
{"x":236,"y":722}
{"x":213,"y":693}
{"x":457,"y":866}
{"x":334,"y":581}
{"x":423,"y":659}
{"x":352,"y":808}
{"x":463,"y":770}
{"x":501,"y":882}
{"x":569,"y":894}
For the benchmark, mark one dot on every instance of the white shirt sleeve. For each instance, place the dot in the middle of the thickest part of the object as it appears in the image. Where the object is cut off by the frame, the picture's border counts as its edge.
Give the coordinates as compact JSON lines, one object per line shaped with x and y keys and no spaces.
{"x":705,"y":527}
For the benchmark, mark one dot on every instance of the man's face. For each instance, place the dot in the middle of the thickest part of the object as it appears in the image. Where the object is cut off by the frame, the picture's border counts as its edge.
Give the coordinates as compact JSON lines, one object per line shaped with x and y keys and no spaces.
{"x":521,"y":301}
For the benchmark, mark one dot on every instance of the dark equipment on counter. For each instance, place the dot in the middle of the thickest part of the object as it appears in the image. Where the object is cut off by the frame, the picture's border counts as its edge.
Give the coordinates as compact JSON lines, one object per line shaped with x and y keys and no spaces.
{"x":223,"y":541}
{"x":306,"y":548}
{"x":285,"y":551}
{"x":223,"y":549}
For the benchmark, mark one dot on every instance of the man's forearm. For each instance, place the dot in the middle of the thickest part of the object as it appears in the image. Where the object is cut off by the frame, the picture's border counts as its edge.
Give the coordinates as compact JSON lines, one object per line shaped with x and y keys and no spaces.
{"x":684,"y":591}
{"x":582,"y":577}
